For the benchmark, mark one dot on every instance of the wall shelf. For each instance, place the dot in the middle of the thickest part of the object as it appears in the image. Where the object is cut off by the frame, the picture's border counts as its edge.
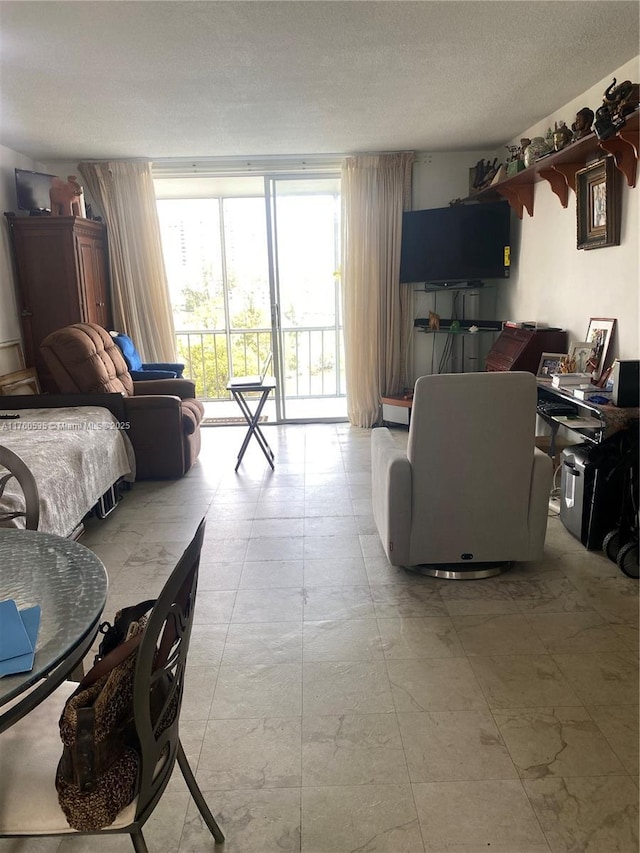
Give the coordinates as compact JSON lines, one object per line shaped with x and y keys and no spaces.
{"x":448,"y":288}
{"x":458,"y":332}
{"x":559,"y":168}
{"x":422,"y":324}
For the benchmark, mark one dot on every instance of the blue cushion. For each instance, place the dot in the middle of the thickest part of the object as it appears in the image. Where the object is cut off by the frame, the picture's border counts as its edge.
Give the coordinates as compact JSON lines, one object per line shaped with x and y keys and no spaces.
{"x":129,"y":352}
{"x":135,"y":365}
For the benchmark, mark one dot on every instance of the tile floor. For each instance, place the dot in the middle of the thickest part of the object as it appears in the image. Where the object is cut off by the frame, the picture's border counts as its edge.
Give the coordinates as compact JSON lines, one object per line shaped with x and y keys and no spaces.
{"x":337,"y":704}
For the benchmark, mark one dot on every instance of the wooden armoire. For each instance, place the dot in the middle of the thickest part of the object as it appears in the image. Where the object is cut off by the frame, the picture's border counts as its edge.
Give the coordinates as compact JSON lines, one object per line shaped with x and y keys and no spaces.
{"x":62,"y":273}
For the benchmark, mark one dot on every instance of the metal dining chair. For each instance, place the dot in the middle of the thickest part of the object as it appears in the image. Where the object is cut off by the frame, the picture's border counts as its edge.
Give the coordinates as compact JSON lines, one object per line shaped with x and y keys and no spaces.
{"x":20,"y":471}
{"x":30,"y":749}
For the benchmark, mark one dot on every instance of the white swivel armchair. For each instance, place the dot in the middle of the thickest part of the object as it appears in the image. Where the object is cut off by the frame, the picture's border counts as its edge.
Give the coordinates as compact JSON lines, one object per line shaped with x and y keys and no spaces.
{"x":471,"y":493}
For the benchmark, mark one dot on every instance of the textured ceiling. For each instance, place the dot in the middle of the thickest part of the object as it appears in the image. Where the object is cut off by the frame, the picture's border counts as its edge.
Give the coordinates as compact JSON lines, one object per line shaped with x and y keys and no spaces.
{"x":221,"y":79}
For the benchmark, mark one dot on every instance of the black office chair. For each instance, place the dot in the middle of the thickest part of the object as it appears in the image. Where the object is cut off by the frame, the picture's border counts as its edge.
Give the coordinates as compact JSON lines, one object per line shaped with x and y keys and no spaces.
{"x":30,"y":750}
{"x":20,"y":471}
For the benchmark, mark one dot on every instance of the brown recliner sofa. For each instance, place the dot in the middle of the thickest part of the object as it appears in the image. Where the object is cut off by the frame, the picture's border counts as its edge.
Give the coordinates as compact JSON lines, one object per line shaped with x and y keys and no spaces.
{"x":163,"y":414}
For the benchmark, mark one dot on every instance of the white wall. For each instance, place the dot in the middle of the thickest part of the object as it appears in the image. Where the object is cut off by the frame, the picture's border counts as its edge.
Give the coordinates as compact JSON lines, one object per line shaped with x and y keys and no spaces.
{"x":551,"y":281}
{"x":557,"y":284}
{"x":441,"y":177}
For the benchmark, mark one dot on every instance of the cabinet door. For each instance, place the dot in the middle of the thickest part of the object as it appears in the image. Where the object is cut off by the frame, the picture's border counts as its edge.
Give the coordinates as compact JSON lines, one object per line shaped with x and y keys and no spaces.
{"x":48,"y":293}
{"x":103,"y":303}
{"x":93,"y":286}
{"x":507,"y":349}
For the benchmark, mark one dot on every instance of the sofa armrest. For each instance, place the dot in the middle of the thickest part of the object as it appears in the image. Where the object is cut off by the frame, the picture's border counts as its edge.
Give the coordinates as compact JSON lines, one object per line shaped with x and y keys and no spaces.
{"x":183,"y":388}
{"x":167,"y":409}
{"x":153,"y":402}
{"x":172,"y":367}
{"x":145,"y":375}
{"x":157,"y":432}
{"x":391,"y":481}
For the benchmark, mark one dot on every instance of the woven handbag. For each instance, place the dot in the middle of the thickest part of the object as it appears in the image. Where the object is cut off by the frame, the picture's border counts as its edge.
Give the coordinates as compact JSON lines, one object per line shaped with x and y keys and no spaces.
{"x":98,"y":773}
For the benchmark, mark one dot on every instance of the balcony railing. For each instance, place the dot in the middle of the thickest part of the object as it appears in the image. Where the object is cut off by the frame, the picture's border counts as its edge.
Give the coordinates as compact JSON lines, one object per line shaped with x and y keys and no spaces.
{"x":312,"y":358}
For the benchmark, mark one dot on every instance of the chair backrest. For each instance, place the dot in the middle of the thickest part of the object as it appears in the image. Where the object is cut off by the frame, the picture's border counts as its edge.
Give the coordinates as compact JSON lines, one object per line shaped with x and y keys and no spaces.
{"x":129,"y":352}
{"x":159,"y":676}
{"x":83,"y":358}
{"x":18,"y":469}
{"x":471,"y":448}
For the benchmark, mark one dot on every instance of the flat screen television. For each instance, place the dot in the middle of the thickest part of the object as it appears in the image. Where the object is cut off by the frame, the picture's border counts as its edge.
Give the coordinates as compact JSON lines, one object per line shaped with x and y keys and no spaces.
{"x":455,"y":244}
{"x":32,"y":190}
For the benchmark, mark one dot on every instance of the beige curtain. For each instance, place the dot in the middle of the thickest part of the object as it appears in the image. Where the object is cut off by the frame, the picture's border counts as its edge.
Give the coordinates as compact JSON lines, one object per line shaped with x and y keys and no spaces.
{"x":377,"y":310}
{"x":139,"y":291}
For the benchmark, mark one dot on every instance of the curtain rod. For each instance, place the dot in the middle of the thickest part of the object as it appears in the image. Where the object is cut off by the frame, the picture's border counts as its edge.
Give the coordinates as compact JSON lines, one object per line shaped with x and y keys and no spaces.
{"x":204,"y":167}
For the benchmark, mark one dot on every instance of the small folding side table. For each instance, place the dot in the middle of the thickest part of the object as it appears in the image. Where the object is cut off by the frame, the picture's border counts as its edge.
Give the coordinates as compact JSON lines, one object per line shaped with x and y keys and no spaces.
{"x":264,"y":388}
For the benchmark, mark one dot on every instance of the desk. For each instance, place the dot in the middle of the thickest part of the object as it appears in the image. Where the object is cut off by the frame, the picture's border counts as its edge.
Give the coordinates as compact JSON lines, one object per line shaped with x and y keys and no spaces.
{"x":593,"y":423}
{"x":263,"y":388}
{"x":70,"y":584}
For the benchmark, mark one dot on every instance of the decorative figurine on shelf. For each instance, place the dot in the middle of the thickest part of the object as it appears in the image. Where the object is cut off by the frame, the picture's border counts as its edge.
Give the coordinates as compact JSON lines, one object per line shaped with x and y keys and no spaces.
{"x":618,"y":101}
{"x":561,"y":135}
{"x":67,"y":198}
{"x":484,"y":173}
{"x":491,"y":172}
{"x":629,"y":101}
{"x":478,"y":174}
{"x":548,"y":138}
{"x":515,"y":163}
{"x":582,"y":125}
{"x":434,"y":321}
{"x":499,"y":175}
{"x":535,"y":149}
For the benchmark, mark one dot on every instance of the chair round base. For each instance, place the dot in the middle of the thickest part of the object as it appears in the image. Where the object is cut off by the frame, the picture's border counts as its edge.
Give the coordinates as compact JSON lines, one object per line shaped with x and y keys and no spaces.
{"x":459,"y":572}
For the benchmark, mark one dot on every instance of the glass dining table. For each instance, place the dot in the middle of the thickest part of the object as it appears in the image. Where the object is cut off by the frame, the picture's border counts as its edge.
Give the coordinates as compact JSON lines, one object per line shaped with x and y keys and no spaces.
{"x":69,"y":583}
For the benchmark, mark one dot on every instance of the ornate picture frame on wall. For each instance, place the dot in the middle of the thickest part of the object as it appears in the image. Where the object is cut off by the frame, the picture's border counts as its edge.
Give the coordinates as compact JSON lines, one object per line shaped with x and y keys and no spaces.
{"x":599,"y":336}
{"x":598,"y":205}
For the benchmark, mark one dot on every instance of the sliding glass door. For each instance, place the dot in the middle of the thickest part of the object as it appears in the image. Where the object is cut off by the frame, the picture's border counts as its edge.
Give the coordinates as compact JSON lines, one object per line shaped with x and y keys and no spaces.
{"x":304,"y":259}
{"x":252,"y":272}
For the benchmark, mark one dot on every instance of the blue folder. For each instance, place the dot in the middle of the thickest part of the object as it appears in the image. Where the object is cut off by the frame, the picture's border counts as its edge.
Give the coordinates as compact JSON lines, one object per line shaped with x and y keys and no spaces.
{"x":18,"y":636}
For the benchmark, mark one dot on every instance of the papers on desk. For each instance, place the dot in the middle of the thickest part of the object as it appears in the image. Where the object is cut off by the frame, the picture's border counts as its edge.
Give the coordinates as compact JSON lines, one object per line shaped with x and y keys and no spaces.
{"x":591,"y":394}
{"x":576,"y":422}
{"x":570,"y":380}
{"x":18,"y":636}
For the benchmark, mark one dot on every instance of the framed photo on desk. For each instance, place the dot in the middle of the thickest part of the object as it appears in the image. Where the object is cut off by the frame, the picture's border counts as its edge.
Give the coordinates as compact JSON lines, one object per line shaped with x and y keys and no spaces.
{"x":550,"y":363}
{"x":580,"y":351}
{"x":599,"y":337}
